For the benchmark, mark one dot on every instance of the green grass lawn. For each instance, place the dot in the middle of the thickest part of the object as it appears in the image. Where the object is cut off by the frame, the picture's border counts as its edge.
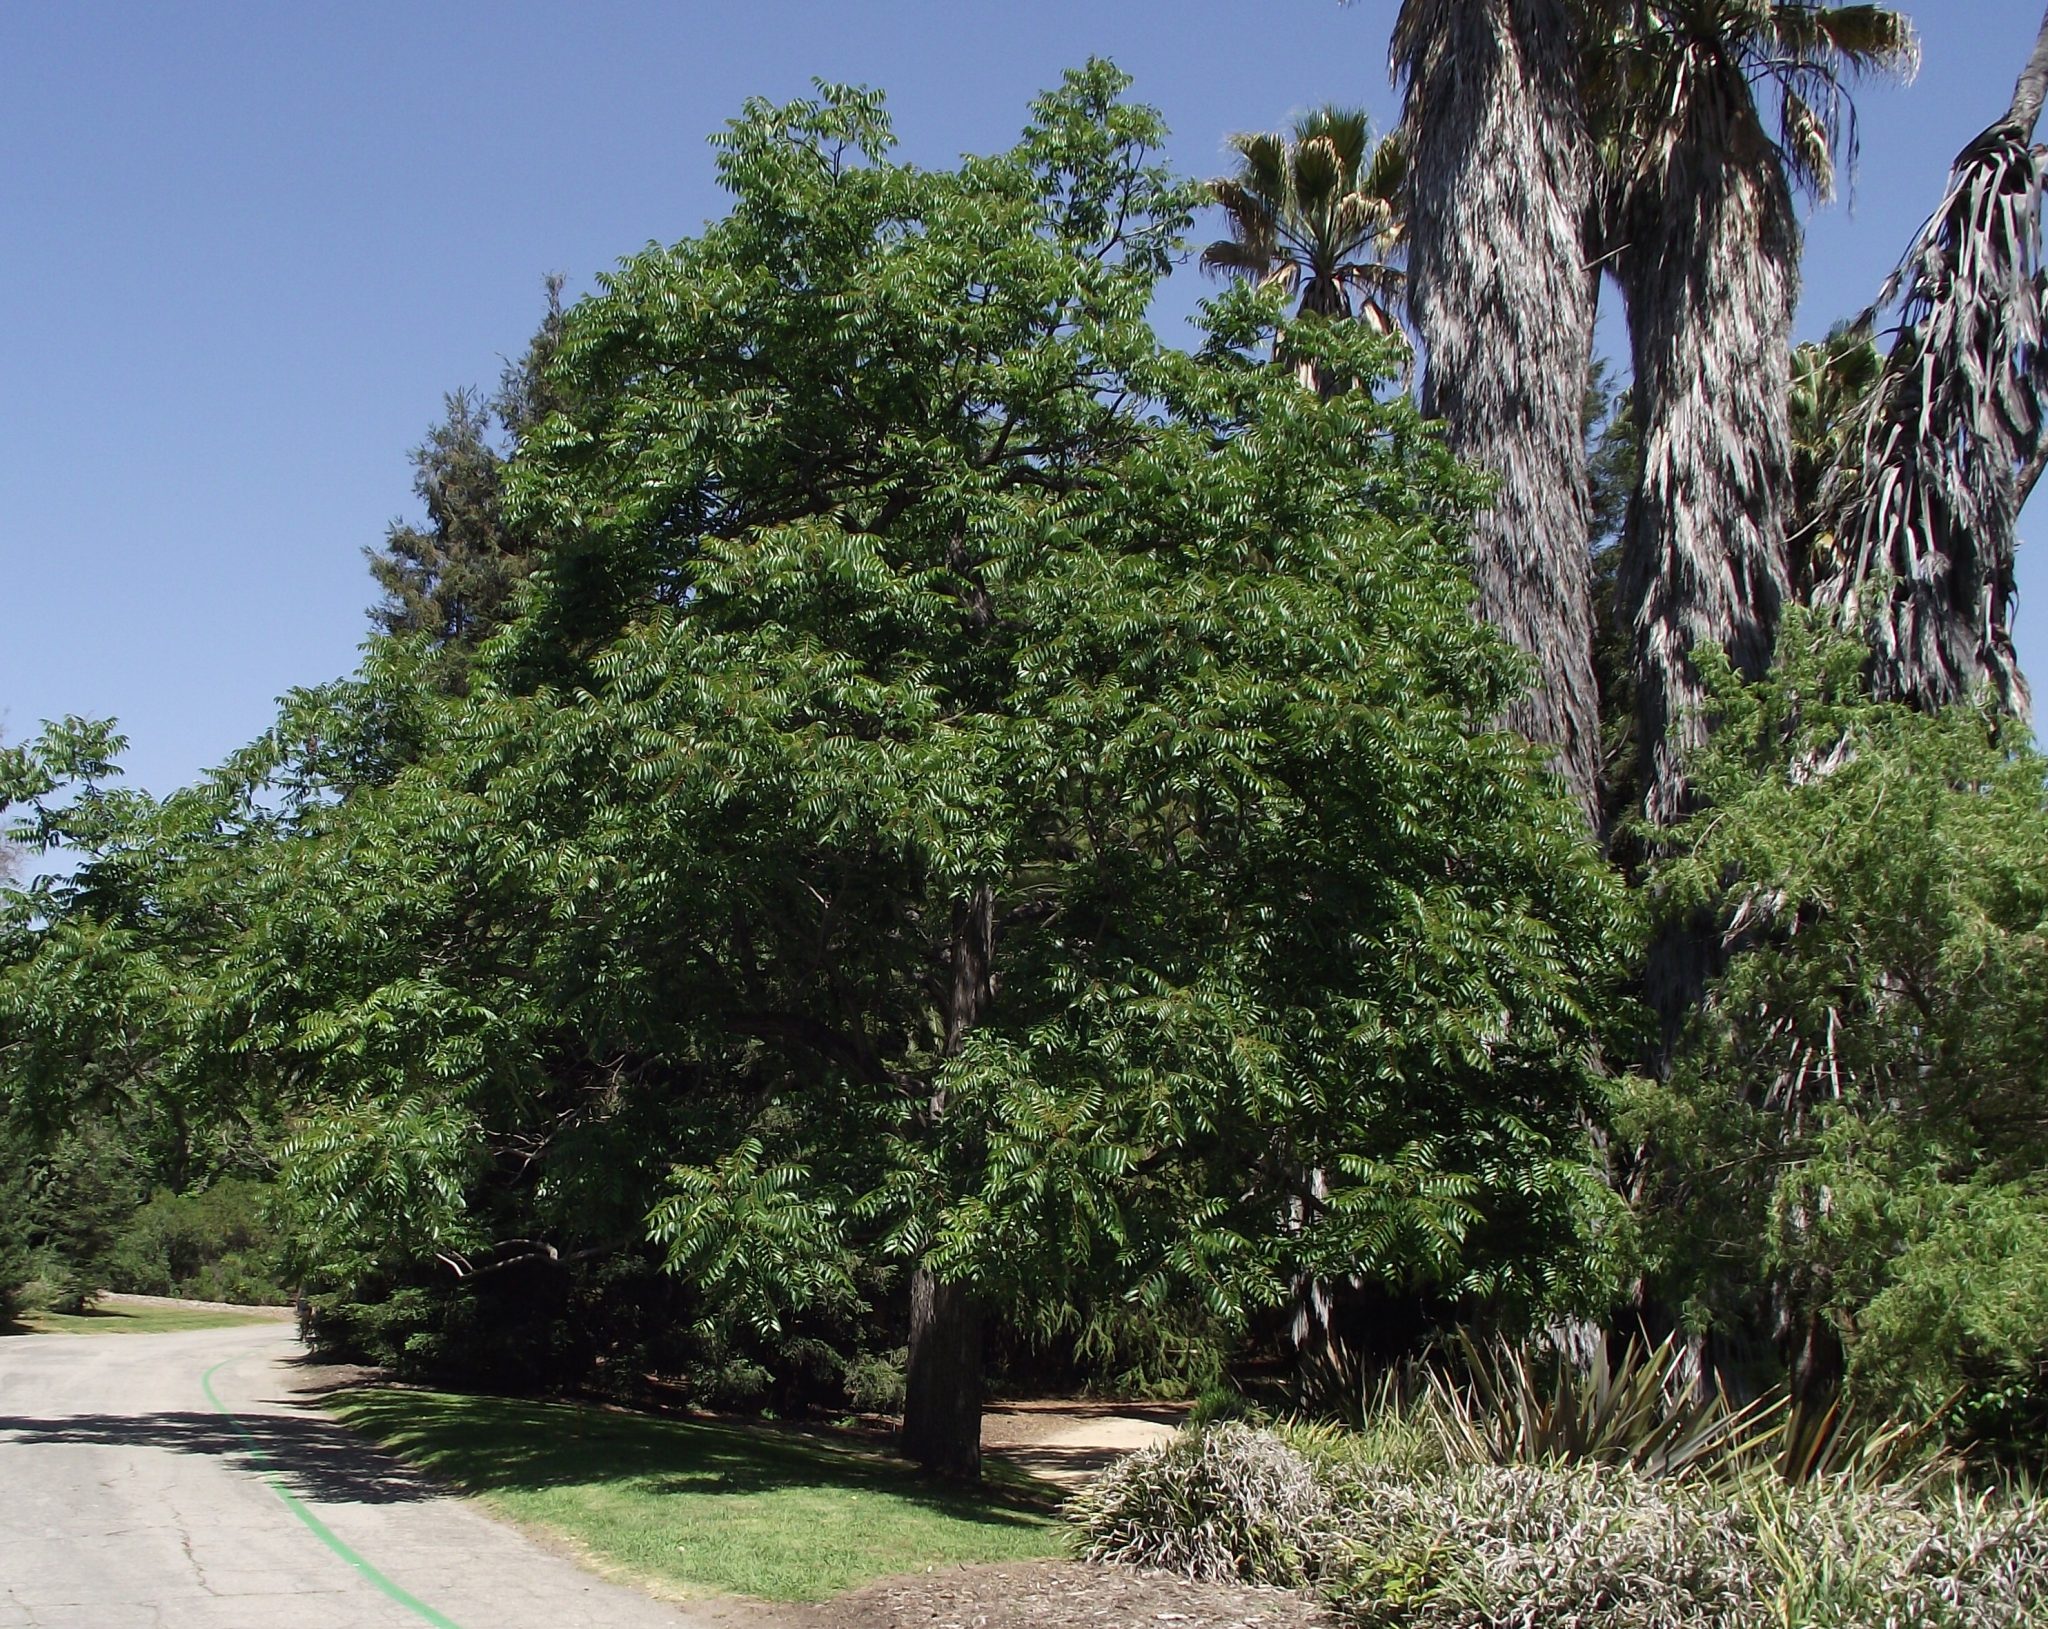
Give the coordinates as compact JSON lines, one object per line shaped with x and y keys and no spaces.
{"x":703,"y":1507}
{"x":130,"y":1320}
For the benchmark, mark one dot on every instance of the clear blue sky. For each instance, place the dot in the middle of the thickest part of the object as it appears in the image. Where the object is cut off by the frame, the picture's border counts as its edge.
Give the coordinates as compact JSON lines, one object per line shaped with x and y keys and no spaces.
{"x":245,"y":248}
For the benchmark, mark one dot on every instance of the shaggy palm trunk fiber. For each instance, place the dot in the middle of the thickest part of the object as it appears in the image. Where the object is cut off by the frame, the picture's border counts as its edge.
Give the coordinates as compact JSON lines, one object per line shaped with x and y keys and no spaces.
{"x":1952,"y":438}
{"x":1500,"y":287}
{"x":1708,"y":264}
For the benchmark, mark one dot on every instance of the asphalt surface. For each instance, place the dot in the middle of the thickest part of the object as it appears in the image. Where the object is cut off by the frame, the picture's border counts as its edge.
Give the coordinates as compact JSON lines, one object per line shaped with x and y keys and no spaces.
{"x":186,"y":1481}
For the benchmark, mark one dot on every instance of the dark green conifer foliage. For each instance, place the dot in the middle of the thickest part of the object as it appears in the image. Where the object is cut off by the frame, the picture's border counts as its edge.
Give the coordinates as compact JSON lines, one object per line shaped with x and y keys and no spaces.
{"x":454,"y":580}
{"x":1847,"y":1157}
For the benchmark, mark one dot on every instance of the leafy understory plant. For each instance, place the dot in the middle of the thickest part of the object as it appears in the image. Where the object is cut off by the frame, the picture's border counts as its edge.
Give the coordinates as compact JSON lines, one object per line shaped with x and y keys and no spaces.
{"x":1229,"y":1502}
{"x":1591,"y":1546}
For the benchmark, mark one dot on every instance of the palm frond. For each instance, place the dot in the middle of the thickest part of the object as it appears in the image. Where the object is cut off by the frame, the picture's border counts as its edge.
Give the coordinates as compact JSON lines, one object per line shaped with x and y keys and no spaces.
{"x":1228,"y":257}
{"x":1347,"y":130}
{"x":1264,"y":169}
{"x":1318,"y":174}
{"x":1860,"y":39}
{"x":1805,"y":139}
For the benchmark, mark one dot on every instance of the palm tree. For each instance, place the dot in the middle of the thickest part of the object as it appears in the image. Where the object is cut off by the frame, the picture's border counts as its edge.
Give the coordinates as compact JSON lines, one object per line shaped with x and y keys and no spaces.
{"x":1831,"y":384}
{"x":1706,"y":246}
{"x":1952,"y":438}
{"x":1313,"y":212}
{"x":1502,"y":292}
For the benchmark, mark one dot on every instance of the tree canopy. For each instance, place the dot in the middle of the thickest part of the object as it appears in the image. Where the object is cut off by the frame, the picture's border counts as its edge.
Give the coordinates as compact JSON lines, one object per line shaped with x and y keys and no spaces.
{"x":972,"y":789}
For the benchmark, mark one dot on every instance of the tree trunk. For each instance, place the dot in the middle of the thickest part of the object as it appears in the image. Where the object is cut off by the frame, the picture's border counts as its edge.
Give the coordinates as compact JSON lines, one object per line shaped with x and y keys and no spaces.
{"x":1500,"y":202}
{"x":942,"y":1389}
{"x":1710,"y":271}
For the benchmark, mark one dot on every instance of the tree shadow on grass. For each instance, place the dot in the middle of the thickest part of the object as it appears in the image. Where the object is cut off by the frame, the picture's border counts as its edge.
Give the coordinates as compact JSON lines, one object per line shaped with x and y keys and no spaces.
{"x":497,"y":1444}
{"x":311,"y":1457}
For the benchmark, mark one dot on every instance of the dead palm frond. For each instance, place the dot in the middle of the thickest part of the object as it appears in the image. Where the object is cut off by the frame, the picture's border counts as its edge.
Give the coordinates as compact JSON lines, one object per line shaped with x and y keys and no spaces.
{"x":1951,"y":437}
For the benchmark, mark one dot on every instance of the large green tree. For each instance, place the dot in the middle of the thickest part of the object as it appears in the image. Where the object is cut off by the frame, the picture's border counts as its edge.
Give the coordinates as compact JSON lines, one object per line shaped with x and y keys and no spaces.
{"x":974,"y":791}
{"x":1013,"y":721}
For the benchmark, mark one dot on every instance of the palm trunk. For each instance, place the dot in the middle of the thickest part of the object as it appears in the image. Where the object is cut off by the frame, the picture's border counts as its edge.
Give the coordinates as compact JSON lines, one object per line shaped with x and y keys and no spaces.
{"x":1709,"y":269}
{"x":1501,"y":188}
{"x":942,"y":1390}
{"x":1953,"y":437}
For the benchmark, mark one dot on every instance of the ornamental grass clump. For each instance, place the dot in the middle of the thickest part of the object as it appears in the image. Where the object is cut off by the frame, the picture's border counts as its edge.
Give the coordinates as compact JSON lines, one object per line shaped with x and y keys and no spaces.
{"x":1550,"y":1546}
{"x":1222,"y":1503}
{"x":1572,"y":1545}
{"x":1848,"y":1556}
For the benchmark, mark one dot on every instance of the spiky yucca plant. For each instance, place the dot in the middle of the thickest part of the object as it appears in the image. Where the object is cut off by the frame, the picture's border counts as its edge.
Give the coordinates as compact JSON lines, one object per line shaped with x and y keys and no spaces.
{"x":1646,"y":1409}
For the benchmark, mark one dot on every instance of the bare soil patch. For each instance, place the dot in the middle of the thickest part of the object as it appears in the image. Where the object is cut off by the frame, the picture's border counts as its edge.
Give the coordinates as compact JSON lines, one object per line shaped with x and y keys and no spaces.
{"x":1060,"y":1595}
{"x":1066,"y":1442}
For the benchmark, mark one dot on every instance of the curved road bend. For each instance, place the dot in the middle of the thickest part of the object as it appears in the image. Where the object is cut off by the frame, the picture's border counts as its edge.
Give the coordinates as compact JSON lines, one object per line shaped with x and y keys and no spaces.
{"x":130,"y":1500}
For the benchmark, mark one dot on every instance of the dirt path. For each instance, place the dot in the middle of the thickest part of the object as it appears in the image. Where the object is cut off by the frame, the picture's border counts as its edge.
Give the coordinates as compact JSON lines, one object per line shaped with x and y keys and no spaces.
{"x":1067,"y":1442}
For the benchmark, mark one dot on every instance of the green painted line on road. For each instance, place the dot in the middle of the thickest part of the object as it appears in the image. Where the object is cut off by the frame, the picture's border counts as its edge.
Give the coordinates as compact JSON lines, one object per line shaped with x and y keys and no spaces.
{"x":319,"y":1529}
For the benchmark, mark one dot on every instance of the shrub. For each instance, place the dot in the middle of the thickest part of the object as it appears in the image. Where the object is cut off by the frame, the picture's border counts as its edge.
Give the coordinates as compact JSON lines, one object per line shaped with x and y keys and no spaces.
{"x":1845,"y":1556}
{"x":1524,"y":1544}
{"x":875,"y":1381}
{"x":1481,"y":1546}
{"x":216,"y":1245}
{"x":1965,"y":1318}
{"x":1227,"y":1502}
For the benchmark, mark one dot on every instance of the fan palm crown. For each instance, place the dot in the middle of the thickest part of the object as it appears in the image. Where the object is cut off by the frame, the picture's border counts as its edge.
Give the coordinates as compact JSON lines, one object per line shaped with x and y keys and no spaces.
{"x":1666,"y":63}
{"x":1313,"y":211}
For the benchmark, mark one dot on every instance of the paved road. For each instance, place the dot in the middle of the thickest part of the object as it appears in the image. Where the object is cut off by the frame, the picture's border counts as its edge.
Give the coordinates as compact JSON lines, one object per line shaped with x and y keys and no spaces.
{"x":129,"y":1500}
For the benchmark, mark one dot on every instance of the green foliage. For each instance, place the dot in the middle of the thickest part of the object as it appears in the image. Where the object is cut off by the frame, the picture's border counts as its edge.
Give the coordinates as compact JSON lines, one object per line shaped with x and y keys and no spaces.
{"x":1863,"y":1101}
{"x":454,"y":581}
{"x":1436,"y":1547}
{"x":875,"y":1381}
{"x":969,"y":787}
{"x":62,"y":1203}
{"x":214,"y":1245}
{"x":1961,"y":1323}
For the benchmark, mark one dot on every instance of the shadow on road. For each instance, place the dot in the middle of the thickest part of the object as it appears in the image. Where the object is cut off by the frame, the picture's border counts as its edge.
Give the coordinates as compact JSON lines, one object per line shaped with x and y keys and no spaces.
{"x":313,"y":1458}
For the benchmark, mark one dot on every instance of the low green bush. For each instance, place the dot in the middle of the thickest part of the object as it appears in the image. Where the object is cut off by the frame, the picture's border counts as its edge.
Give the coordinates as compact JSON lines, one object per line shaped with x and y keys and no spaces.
{"x":1480,"y":1546}
{"x":214,"y":1245}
